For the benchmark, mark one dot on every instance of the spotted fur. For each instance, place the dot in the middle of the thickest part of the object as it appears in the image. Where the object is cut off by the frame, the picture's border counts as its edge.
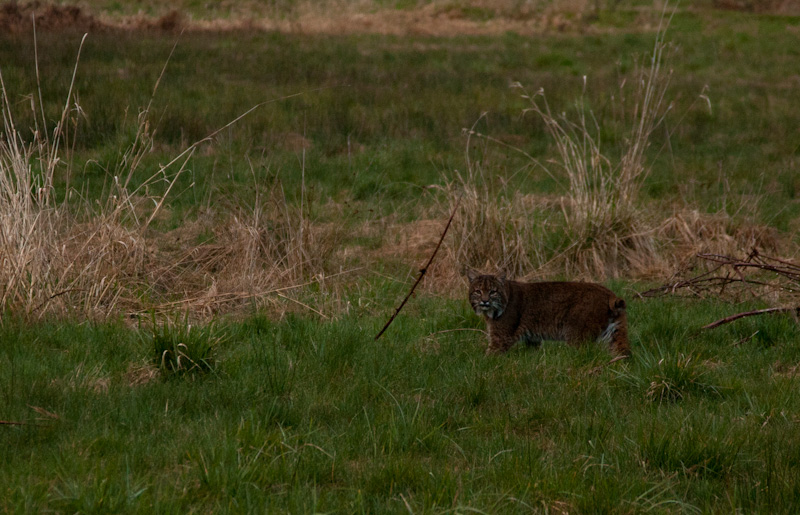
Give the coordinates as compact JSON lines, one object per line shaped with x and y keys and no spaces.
{"x":575,"y":312}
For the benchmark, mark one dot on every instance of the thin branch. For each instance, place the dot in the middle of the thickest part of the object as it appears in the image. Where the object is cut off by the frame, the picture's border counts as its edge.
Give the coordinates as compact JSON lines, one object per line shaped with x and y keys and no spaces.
{"x":10,"y":423}
{"x":422,"y":272}
{"x":737,"y":316}
{"x":731,"y":271}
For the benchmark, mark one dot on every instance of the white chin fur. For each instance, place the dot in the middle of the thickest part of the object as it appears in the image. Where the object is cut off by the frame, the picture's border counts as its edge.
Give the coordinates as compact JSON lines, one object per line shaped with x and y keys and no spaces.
{"x":489,"y":313}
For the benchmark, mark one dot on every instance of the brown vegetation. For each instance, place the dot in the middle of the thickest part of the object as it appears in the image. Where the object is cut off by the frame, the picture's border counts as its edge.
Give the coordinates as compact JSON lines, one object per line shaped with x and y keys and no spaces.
{"x":100,"y":259}
{"x":477,"y":17}
{"x":20,"y":18}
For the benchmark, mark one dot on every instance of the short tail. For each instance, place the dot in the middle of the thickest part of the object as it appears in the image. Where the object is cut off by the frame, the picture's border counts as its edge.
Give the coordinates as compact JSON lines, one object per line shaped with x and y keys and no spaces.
{"x":616,"y":306}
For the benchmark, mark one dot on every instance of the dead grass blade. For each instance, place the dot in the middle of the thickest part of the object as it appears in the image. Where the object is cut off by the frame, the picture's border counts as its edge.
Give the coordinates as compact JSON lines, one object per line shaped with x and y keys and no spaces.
{"x":99,"y":257}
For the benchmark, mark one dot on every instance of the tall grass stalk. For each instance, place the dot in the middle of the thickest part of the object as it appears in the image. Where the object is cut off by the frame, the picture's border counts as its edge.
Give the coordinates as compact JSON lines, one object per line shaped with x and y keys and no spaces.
{"x":29,"y":214}
{"x":607,"y":231}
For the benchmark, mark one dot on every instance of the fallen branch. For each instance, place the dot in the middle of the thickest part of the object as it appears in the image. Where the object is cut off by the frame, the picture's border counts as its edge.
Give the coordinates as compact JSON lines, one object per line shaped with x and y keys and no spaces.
{"x":422,"y":271}
{"x":737,"y":316}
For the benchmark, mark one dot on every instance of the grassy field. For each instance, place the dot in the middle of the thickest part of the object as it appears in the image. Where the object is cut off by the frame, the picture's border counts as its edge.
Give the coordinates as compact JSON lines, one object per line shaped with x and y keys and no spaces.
{"x":304,"y":415}
{"x":188,"y":321}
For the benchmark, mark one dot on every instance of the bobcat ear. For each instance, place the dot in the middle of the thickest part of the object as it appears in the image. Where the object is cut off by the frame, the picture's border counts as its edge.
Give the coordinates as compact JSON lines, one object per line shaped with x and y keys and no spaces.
{"x":471,"y":274}
{"x":501,"y":276}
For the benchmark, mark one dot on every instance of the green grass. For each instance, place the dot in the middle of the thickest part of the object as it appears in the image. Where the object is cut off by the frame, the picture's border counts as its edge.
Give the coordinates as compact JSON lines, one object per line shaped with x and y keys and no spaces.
{"x":307,"y":415}
{"x":296,"y":413}
{"x":384,"y":114}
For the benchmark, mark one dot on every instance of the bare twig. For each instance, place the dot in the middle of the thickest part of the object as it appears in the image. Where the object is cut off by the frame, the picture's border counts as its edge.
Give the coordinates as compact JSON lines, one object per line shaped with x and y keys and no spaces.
{"x":737,"y":316}
{"x":10,"y":423}
{"x":744,"y":340}
{"x":422,"y":271}
{"x":770,"y":274}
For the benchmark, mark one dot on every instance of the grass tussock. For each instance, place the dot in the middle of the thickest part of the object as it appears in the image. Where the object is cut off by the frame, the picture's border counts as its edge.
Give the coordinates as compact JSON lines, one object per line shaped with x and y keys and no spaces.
{"x":257,"y":253}
{"x":609,"y":232}
{"x":64,"y":253}
{"x":179,"y":347}
{"x":491,"y":230}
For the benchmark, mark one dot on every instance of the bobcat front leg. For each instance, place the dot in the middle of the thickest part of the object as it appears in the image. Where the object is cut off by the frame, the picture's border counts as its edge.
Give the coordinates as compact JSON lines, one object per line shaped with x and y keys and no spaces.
{"x":499,"y":342}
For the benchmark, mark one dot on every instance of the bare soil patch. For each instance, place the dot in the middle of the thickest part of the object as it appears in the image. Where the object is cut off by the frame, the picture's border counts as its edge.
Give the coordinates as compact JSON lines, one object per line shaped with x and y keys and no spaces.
{"x":476,"y":17}
{"x":427,"y":20}
{"x":18,"y":18}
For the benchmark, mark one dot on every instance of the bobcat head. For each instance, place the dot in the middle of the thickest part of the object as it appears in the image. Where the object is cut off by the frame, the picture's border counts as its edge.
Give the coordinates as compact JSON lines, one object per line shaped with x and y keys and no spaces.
{"x":488,"y":294}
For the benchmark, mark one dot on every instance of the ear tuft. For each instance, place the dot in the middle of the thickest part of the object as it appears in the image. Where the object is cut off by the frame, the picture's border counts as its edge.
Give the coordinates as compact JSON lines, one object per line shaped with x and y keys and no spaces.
{"x":471,"y":274}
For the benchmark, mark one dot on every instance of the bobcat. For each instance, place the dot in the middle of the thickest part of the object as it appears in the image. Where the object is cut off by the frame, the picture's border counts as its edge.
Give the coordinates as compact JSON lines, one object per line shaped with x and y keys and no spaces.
{"x":532,"y":312}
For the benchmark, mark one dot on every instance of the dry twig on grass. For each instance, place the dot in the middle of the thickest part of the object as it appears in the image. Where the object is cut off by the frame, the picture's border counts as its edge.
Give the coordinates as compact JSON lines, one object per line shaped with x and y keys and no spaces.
{"x":422,"y":272}
{"x":737,"y":316}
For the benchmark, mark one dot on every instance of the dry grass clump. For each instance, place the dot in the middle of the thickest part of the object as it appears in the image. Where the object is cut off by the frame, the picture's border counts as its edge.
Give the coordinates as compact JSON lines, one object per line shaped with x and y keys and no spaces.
{"x":51,"y":259}
{"x":491,"y":230}
{"x":64,"y":254}
{"x":255,"y":254}
{"x":690,"y":232}
{"x":608,"y":232}
{"x":67,"y":255}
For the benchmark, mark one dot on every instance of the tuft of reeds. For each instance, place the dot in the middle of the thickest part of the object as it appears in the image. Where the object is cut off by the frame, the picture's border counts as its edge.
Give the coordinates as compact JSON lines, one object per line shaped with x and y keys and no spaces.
{"x":180,"y":347}
{"x":608,"y":229}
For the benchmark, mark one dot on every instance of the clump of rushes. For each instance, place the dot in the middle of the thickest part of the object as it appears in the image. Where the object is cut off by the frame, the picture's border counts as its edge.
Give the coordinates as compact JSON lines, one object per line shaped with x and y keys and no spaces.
{"x":668,"y":378}
{"x":179,"y":347}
